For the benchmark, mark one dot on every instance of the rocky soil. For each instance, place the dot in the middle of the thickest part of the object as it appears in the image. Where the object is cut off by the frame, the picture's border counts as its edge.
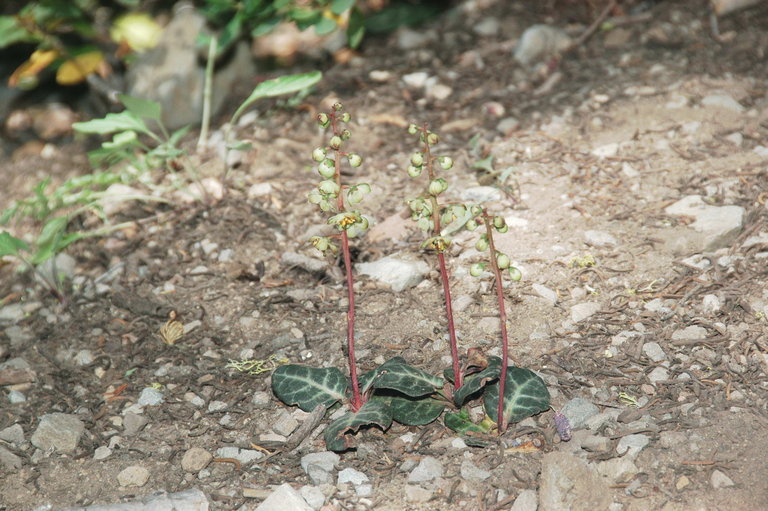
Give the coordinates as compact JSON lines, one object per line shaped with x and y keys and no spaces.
{"x":637,"y":212}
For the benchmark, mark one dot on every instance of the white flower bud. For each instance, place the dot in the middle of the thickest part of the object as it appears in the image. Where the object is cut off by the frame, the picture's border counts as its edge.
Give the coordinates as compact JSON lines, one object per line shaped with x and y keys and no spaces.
{"x":477,"y":269}
{"x":445,"y":162}
{"x":318,"y":154}
{"x":354,"y":160}
{"x":502,"y":260}
{"x":417,"y":159}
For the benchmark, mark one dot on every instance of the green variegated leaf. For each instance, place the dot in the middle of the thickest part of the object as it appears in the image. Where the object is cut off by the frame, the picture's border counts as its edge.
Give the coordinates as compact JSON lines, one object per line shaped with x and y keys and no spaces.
{"x":373,"y":412}
{"x":395,"y":374}
{"x":525,"y":394}
{"x":415,"y":412}
{"x":308,"y":387}
{"x":461,"y":423}
{"x":475,"y":382}
{"x":367,"y":379}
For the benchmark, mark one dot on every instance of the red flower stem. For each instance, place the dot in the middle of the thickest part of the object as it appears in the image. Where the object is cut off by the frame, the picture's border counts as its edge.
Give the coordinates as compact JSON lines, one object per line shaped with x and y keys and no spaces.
{"x":502,"y":422}
{"x":357,"y":399}
{"x":458,"y":377}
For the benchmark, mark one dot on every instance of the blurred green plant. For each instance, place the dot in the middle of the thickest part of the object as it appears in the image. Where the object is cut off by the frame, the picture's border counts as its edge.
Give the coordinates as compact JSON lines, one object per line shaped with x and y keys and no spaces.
{"x":254,"y":18}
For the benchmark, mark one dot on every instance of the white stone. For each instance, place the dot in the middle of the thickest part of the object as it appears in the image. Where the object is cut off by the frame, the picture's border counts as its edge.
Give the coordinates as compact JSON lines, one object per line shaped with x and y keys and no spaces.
{"x":439,"y":91}
{"x":628,"y":170}
{"x":722,"y":100}
{"x":599,"y":239}
{"x":358,"y":479}
{"x":653,"y":351}
{"x":285,"y":424}
{"x":487,"y":27}
{"x":719,"y":224}
{"x":690,"y":333}
{"x":326,"y":460}
{"x":546,"y":293}
{"x":416,"y":80}
{"x":313,"y":495}
{"x":259,"y":190}
{"x":735,"y":138}
{"x":658,"y":374}
{"x":102,"y":452}
{"x":428,"y":469}
{"x":539,"y":42}
{"x":133,"y":476}
{"x":606,"y":151}
{"x":284,"y":498}
{"x":710,"y":304}
{"x":632,"y":445}
{"x":582,"y":311}
{"x":528,"y":500}
{"x":150,"y":397}
{"x":244,"y":456}
{"x":719,"y":480}
{"x":399,"y":274}
{"x":617,"y":470}
{"x":471,"y":472}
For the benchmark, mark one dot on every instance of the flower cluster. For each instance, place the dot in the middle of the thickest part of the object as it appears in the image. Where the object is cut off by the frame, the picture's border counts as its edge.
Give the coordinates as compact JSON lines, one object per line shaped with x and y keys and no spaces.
{"x":498,"y":224}
{"x":330,"y":195}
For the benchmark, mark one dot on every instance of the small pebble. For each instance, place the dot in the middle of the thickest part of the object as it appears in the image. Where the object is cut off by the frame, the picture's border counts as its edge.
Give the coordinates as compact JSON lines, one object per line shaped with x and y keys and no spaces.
{"x":195,"y":459}
{"x":719,"y":480}
{"x":133,"y":476}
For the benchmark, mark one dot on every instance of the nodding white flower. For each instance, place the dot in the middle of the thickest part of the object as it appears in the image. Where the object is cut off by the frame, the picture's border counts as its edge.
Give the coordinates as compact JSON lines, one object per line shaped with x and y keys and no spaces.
{"x":413,"y":129}
{"x":432,"y":138}
{"x":354,"y":160}
{"x":335,"y":142}
{"x":327,"y":168}
{"x":445,"y":162}
{"x":438,"y":186}
{"x":318,"y":154}
{"x":515,"y":274}
{"x":345,"y":117}
{"x":323,"y":120}
{"x":417,"y":159}
{"x":502,"y":260}
{"x":328,"y":187}
{"x":414,"y":171}
{"x":477,"y":269}
{"x":482,"y":244}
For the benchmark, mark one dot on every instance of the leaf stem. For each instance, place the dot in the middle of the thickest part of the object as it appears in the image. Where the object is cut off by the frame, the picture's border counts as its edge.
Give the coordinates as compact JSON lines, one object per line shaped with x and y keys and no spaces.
{"x":501,"y":419}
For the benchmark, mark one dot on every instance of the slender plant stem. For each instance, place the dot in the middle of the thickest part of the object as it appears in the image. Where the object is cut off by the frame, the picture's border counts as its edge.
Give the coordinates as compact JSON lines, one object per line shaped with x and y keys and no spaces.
{"x":357,"y":400}
{"x":501,"y":422}
{"x":458,"y":377}
{"x":207,"y":93}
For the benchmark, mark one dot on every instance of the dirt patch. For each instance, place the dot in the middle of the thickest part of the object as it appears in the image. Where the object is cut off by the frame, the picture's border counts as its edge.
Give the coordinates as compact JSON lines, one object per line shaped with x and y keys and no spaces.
{"x":627,"y":132}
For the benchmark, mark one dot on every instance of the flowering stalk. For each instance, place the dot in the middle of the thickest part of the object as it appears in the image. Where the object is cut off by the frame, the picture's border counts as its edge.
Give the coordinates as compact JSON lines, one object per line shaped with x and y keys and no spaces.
{"x":329,"y":197}
{"x":430,"y":213}
{"x":489,"y":226}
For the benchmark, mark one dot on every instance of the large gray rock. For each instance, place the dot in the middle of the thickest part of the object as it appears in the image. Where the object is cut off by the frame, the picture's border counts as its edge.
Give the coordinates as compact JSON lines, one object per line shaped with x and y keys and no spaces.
{"x":568,"y":482}
{"x":58,"y":431}
{"x":718,"y":225}
{"x":172,"y":75}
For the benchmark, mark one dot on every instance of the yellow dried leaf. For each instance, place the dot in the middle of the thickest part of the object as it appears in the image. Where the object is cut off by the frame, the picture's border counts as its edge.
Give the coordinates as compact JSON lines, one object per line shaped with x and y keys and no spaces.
{"x":36,"y":62}
{"x":76,"y":70}
{"x":138,"y":30}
